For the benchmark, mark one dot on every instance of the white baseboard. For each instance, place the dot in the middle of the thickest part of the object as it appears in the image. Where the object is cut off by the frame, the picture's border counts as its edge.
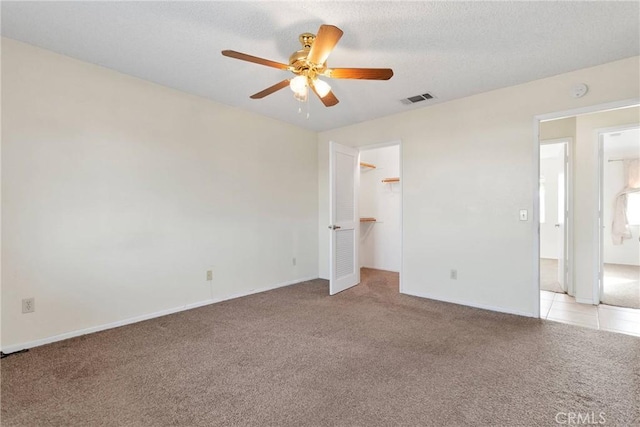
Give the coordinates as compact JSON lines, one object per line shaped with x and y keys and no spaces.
{"x":585,"y":301}
{"x":471,"y":304}
{"x":36,"y":343}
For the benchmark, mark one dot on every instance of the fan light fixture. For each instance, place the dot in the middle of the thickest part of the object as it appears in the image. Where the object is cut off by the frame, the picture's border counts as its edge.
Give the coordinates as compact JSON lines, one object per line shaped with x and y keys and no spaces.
{"x":300,"y":87}
{"x":322,"y":87}
{"x":302,"y":96}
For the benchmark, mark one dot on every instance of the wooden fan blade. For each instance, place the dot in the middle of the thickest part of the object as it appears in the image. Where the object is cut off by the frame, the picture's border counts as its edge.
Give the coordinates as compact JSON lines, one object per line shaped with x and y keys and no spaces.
{"x":325,"y":41}
{"x":359,"y":73}
{"x":268,"y":91}
{"x":255,"y":59}
{"x":329,"y":99}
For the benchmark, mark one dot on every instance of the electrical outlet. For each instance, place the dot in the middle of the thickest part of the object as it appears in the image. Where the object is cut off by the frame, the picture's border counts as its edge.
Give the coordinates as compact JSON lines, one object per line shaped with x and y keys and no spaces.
{"x":454,"y":275}
{"x":209,"y":275}
{"x":28,"y":305}
{"x":294,"y":261}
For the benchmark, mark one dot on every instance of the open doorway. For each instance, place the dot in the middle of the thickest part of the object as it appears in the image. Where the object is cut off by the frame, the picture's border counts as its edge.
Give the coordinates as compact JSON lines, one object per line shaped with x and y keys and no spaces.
{"x":554,"y":216}
{"x":380,"y":199}
{"x":365,"y":195}
{"x":620,"y":217}
{"x":601,"y":280}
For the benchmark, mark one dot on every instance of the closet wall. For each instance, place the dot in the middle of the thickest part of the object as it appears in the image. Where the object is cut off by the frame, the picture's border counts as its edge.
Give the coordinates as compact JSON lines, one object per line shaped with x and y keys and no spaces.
{"x":380,"y":239}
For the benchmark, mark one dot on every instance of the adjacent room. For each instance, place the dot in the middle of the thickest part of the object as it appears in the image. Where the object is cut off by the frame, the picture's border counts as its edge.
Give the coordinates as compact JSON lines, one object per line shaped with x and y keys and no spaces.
{"x":621,"y":218}
{"x":319,"y":213}
{"x":589,"y":274}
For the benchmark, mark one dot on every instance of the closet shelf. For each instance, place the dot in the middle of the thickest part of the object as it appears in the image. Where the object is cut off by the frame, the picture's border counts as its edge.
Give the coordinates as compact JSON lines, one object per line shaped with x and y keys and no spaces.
{"x":368,"y":219}
{"x":367,"y":165}
{"x":395,"y":179}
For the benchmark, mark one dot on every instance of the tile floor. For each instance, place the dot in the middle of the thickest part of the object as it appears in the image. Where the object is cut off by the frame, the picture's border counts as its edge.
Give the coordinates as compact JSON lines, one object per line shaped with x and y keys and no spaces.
{"x":564,"y":308}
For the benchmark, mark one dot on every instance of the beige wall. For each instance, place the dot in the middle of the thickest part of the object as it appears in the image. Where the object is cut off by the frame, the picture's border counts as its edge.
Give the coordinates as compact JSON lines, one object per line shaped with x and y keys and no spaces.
{"x":118,"y":195}
{"x":468,"y":168}
{"x":556,"y":129}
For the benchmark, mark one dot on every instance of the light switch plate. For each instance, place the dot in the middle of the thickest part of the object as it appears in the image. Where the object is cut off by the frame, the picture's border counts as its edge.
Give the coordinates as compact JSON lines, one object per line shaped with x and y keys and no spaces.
{"x":524,"y":215}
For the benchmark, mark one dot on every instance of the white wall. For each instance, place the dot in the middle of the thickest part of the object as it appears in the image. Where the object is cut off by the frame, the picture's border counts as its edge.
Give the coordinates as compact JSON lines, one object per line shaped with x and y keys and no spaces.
{"x":455,"y":215}
{"x":550,"y":235}
{"x":613,"y":182}
{"x":380,"y":240}
{"x":118,"y":195}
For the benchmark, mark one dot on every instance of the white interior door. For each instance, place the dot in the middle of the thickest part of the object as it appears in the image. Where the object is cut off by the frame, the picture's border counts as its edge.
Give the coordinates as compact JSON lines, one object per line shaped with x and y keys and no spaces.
{"x":345,"y":221}
{"x":555,"y":211}
{"x":562,"y":219}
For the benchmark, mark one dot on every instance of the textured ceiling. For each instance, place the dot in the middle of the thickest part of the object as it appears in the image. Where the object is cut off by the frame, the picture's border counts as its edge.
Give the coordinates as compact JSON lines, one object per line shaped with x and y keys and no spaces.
{"x":450,"y":49}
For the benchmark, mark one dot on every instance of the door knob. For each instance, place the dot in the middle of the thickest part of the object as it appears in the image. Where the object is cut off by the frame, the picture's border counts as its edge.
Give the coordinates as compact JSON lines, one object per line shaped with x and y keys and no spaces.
{"x":334,"y":227}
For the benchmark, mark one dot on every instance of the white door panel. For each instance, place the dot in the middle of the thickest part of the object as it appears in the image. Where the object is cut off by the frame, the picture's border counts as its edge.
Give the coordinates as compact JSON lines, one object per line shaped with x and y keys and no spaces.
{"x":344,"y":177}
{"x":562,"y":220}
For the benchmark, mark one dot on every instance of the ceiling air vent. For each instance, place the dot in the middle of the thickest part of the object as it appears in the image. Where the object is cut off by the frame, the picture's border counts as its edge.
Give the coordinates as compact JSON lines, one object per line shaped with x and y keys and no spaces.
{"x":418,"y":98}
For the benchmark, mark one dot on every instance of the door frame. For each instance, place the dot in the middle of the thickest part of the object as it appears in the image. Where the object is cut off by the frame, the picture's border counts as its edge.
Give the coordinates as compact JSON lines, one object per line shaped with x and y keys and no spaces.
{"x":568,"y":200}
{"x":382,"y":145}
{"x":535,"y":226}
{"x":599,"y":226}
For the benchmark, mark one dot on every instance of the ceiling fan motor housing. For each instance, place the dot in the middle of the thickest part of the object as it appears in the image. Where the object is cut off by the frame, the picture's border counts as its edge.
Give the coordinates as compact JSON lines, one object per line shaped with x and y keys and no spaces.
{"x":298,"y":59}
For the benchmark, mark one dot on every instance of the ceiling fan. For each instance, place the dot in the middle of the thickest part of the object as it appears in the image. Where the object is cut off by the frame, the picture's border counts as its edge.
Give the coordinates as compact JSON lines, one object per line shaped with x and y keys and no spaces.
{"x":309,"y":63}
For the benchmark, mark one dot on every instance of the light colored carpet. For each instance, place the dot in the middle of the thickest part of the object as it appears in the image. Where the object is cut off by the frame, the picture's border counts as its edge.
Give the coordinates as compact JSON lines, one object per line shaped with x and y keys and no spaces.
{"x":621,"y":285}
{"x":549,"y":275}
{"x":297,"y":357}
